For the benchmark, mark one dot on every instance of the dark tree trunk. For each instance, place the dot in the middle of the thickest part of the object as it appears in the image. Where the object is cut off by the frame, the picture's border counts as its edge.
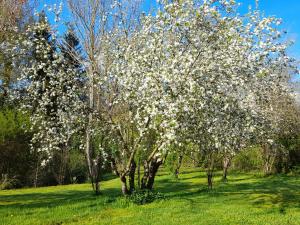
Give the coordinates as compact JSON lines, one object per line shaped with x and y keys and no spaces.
{"x":97,"y":175}
{"x":224,"y":177}
{"x":139,"y":173}
{"x":63,"y":160}
{"x":150,"y":170}
{"x":152,"y":173}
{"x":210,"y":180}
{"x":97,"y":188}
{"x":210,"y":170}
{"x":97,"y":183}
{"x":131,"y":176}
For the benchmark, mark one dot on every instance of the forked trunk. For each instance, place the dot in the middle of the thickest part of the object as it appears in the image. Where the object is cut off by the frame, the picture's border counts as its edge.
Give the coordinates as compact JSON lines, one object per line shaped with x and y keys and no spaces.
{"x":153,"y":170}
{"x":150,"y":170}
{"x":122,"y":175}
{"x":269,"y":155}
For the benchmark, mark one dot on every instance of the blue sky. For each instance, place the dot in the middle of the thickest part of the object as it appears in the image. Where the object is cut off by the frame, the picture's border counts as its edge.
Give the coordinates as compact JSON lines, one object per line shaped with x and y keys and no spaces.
{"x":288,"y":10}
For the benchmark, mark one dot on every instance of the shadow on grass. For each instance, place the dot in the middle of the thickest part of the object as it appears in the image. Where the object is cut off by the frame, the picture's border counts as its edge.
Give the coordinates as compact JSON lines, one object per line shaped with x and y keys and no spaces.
{"x":52,"y":199}
{"x":278,"y":191}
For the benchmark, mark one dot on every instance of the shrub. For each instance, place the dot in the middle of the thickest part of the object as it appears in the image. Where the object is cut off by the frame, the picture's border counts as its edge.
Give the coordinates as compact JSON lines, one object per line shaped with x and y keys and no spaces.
{"x":77,"y":167}
{"x":295,"y":170}
{"x":145,"y":196}
{"x":8,"y":183}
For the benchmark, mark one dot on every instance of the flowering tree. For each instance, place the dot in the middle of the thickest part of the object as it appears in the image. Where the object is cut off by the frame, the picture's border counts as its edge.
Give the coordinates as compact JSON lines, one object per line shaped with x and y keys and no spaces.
{"x":99,"y":25}
{"x":14,"y":16}
{"x":49,"y":92}
{"x":281,"y":120}
{"x":211,"y":64}
{"x":89,"y":19}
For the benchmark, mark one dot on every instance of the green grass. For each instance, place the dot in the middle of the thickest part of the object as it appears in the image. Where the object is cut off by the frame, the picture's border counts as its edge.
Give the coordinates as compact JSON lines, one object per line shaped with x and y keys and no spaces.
{"x":244,"y":199}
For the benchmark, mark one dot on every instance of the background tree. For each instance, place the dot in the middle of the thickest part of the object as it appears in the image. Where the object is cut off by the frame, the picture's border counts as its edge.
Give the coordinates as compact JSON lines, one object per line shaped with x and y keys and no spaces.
{"x":51,"y":95}
{"x":97,"y":23}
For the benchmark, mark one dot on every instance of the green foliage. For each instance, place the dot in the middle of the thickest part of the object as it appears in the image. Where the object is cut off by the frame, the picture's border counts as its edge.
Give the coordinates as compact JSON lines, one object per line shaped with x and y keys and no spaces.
{"x":295,"y":170}
{"x":77,"y":167}
{"x":171,"y":162}
{"x":13,"y":123}
{"x":248,"y":159}
{"x":291,"y":144}
{"x":142,"y":197}
{"x":16,"y":160}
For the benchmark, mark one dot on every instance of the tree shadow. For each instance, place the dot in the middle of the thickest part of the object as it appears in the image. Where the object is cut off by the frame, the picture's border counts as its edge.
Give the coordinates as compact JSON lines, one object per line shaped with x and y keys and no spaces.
{"x":278,"y":191}
{"x":52,"y":199}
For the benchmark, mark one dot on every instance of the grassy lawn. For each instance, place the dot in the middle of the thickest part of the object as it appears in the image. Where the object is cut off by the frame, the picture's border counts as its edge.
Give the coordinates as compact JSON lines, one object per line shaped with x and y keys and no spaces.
{"x":245,"y":199}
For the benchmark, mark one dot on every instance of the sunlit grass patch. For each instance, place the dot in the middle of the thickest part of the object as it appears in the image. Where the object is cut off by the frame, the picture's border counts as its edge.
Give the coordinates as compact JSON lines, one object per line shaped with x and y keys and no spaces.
{"x":244,"y":199}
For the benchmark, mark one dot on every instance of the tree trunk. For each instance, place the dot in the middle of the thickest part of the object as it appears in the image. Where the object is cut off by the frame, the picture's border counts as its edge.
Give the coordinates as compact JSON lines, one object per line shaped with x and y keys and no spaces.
{"x":267,"y":168}
{"x":269,"y":156}
{"x":226,"y":164}
{"x":63,"y":157}
{"x":36,"y":173}
{"x":210,"y":170}
{"x":87,"y":153}
{"x":97,"y":183}
{"x":90,"y":163}
{"x":97,"y":188}
{"x":124,"y":185}
{"x":122,"y":176}
{"x":153,"y":170}
{"x":96,"y":173}
{"x":210,"y":179}
{"x":176,"y":173}
{"x":139,"y":173}
{"x":131,"y":176}
{"x":150,"y":170}
{"x":145,"y":176}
